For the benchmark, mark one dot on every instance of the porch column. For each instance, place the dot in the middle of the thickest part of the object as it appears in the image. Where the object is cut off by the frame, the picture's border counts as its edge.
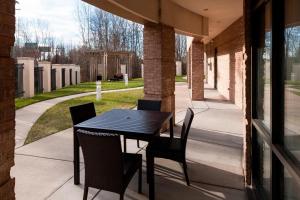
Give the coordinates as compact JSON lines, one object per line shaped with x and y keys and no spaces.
{"x":189,"y":64}
{"x":7,"y":99}
{"x":197,"y":70}
{"x":159,"y":64}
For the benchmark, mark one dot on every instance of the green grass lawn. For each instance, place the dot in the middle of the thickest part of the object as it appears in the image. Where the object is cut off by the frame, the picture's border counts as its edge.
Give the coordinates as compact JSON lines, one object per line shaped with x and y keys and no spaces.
{"x":297,"y":93}
{"x":293,"y":84}
{"x":58,"y":118}
{"x":76,"y":89}
{"x":180,"y":79}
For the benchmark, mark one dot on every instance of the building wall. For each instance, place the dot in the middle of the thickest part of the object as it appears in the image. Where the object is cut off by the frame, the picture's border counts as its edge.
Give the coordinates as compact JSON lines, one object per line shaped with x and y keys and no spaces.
{"x":230,"y":71}
{"x":7,"y":95}
{"x":108,"y":64}
{"x":210,"y":65}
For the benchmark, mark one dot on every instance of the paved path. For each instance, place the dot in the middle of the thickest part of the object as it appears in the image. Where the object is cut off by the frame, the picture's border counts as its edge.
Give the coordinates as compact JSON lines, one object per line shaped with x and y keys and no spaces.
{"x":27,"y":116}
{"x":44,"y":168}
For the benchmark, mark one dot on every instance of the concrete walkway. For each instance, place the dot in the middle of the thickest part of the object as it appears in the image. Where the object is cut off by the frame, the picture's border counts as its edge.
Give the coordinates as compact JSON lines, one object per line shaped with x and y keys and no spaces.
{"x":44,"y":169}
{"x":27,"y":116}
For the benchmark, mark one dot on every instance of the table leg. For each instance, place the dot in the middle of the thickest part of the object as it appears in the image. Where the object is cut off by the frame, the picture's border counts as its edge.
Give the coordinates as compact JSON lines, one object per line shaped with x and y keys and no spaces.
{"x":150,"y":177}
{"x":76,"y":161}
{"x":171,"y":128}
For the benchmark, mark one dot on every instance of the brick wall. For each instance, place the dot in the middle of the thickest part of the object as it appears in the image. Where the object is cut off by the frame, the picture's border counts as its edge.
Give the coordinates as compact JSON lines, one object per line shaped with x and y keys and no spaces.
{"x":159,"y":64}
{"x":229,"y":44}
{"x":7,"y":92}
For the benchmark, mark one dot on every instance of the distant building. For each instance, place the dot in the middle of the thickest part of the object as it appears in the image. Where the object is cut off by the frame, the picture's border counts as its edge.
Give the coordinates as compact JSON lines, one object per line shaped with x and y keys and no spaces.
{"x":110,"y":63}
{"x":34,"y":77}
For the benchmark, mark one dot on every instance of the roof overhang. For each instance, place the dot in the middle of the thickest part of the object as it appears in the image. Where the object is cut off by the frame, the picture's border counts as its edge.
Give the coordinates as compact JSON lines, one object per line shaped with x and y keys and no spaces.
{"x":157,"y":11}
{"x":198,"y":18}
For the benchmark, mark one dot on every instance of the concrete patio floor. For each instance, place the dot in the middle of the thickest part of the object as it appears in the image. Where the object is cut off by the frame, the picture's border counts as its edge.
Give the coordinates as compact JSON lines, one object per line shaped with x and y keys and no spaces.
{"x":44,"y":169}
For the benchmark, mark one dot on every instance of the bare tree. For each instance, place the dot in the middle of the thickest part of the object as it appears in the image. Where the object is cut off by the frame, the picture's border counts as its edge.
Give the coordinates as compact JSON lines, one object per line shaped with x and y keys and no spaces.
{"x":180,"y":47}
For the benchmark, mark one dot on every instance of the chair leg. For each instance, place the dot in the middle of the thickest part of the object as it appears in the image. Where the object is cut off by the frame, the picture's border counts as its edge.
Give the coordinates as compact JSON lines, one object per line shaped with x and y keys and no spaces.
{"x":85,"y":192}
{"x":184,"y":166}
{"x":125,"y":147}
{"x":140,"y":179}
{"x":138,"y":143}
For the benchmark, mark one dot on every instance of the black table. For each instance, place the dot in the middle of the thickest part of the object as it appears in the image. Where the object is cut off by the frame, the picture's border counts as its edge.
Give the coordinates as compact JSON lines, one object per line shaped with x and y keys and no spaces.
{"x":135,"y":124}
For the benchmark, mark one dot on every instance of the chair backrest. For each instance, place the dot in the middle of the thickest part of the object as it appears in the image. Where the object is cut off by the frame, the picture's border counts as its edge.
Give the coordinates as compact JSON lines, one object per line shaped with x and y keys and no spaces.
{"x":103,"y":161}
{"x":152,"y":105}
{"x":189,"y":116}
{"x":82,"y":112}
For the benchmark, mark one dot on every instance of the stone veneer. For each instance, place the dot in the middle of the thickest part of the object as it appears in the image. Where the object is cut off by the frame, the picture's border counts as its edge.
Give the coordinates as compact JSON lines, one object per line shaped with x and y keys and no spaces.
{"x":159,"y":64}
{"x":7,"y":94}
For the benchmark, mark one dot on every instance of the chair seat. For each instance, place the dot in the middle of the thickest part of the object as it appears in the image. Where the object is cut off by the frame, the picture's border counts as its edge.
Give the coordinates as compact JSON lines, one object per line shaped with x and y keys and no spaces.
{"x":131,"y":162}
{"x":165,"y":147}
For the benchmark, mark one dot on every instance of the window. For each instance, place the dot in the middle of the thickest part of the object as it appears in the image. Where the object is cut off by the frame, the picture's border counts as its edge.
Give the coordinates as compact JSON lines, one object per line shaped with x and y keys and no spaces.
{"x":276,"y":99}
{"x":292,"y":79}
{"x":263,"y":165}
{"x":263,"y":66}
{"x":291,"y":187}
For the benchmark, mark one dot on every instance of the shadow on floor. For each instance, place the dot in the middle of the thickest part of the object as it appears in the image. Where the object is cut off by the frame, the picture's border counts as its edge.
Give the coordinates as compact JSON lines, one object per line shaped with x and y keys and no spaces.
{"x":173,"y":188}
{"x":222,"y":101}
{"x":212,"y":137}
{"x":203,"y":174}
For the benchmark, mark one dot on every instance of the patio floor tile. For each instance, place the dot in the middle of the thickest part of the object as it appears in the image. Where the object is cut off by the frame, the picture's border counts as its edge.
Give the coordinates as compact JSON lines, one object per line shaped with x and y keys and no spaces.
{"x":39,"y":177}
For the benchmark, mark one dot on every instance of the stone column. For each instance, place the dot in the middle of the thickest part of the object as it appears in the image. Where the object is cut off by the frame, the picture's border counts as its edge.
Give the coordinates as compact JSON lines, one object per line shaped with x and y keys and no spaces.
{"x":28,"y":75}
{"x":159,"y":64}
{"x":46,"y":75}
{"x":7,"y":99}
{"x":197,"y":70}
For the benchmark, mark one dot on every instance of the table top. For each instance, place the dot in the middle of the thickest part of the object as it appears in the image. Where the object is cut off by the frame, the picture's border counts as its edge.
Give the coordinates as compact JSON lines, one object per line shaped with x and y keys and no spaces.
{"x":127,"y":122}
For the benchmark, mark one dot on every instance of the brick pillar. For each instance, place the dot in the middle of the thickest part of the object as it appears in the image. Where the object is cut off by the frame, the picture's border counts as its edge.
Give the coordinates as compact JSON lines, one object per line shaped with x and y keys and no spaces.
{"x":197,"y":70}
{"x":159,"y":64}
{"x":7,"y":94}
{"x":189,"y":64}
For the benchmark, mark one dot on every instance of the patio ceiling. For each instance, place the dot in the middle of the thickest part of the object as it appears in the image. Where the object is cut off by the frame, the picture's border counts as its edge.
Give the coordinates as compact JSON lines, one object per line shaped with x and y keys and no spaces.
{"x":220,"y":13}
{"x":201,"y":18}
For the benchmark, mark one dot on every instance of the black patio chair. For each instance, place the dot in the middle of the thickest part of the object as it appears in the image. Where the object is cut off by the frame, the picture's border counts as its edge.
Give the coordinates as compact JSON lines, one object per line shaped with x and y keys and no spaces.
{"x":143,"y":104}
{"x":79,"y":114}
{"x":106,"y":167}
{"x":170,"y":148}
{"x":82,"y":112}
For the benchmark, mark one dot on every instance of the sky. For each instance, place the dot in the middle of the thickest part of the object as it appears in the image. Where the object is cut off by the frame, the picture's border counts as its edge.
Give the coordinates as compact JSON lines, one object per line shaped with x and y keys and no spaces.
{"x":59,"y":14}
